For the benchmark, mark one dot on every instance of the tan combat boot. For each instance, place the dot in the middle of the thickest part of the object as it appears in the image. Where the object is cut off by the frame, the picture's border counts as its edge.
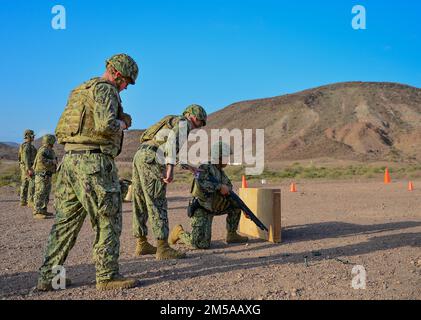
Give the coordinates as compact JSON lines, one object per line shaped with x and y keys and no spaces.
{"x":119,"y":282}
{"x":40,"y":216}
{"x":234,"y":237}
{"x":175,"y":234}
{"x":48,"y":286}
{"x":165,"y":252}
{"x":143,"y":247}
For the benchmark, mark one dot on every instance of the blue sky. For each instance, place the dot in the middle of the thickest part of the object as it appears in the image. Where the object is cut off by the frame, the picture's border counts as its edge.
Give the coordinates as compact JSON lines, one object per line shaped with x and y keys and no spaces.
{"x":209,"y":52}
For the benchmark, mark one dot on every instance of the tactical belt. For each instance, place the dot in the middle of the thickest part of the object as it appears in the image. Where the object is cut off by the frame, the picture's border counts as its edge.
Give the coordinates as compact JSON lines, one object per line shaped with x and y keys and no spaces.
{"x":148,"y":147}
{"x":95,"y":151}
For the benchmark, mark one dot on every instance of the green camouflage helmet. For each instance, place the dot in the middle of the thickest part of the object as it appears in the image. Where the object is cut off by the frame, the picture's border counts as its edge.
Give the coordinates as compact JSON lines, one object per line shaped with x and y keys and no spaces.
{"x":49,"y":139}
{"x":125,"y":65}
{"x":197,"y":111}
{"x":220,"y":150}
{"x":29,"y":134}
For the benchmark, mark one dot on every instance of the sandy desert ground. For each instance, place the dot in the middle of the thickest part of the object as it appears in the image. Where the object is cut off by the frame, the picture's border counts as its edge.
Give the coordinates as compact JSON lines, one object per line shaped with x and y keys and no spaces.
{"x":335,"y":224}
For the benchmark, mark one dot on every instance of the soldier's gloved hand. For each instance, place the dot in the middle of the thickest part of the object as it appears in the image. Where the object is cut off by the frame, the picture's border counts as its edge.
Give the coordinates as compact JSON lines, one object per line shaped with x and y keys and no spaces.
{"x":169,"y":174}
{"x":225,"y":190}
{"x":245,"y":215}
{"x":127,"y":119}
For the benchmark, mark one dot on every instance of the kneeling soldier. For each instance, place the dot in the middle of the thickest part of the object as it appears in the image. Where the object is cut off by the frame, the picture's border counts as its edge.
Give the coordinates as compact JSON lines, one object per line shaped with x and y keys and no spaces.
{"x":45,"y":165}
{"x":209,"y":200}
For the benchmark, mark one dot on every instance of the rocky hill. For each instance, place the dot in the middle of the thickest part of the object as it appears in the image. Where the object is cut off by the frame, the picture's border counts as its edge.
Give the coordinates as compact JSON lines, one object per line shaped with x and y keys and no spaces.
{"x":353,"y":120}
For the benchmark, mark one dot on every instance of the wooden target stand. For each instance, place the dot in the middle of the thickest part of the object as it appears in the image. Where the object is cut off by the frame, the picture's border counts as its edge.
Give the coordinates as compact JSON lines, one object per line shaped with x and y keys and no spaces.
{"x":266,"y":205}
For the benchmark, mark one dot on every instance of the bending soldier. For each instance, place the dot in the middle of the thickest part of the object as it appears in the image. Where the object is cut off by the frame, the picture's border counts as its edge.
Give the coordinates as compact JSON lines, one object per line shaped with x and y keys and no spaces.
{"x":150,"y":177}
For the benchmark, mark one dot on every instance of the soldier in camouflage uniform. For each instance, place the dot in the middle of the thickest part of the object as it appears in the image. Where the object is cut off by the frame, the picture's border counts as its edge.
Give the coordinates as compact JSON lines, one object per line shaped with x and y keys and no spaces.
{"x":45,"y":166}
{"x":151,"y":176}
{"x":91,"y":130}
{"x":212,"y":201}
{"x":27,"y":153}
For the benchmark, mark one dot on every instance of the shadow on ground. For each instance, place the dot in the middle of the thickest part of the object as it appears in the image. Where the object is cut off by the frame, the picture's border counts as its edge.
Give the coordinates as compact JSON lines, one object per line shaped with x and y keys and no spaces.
{"x":198,"y":265}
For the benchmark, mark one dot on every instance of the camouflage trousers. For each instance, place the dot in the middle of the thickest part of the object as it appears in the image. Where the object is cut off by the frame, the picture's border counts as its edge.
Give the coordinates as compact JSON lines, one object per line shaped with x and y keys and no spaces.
{"x":27,"y":187}
{"x":149,"y":196}
{"x":201,"y":224}
{"x":87,"y":184}
{"x":42,"y":192}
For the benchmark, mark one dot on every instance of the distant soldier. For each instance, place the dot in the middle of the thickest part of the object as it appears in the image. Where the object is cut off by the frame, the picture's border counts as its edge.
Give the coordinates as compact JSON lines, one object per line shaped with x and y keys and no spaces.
{"x":45,"y":166}
{"x":27,"y":153}
{"x":150,"y":178}
{"x":210,"y":200}
{"x":91,"y":129}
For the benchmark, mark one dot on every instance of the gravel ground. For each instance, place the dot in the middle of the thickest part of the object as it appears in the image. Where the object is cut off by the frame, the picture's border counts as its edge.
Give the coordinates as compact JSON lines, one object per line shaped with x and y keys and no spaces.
{"x":336,"y":225}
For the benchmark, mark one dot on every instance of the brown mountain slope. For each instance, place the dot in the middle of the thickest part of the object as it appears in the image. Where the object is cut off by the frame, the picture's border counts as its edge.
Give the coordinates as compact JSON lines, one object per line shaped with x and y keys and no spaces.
{"x":353,"y":120}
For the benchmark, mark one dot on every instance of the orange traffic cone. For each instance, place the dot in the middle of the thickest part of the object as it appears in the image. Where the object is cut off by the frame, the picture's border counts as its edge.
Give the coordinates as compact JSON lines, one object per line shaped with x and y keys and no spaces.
{"x":244,"y":183}
{"x":293,"y":187}
{"x":387,"y":178}
{"x":410,"y":186}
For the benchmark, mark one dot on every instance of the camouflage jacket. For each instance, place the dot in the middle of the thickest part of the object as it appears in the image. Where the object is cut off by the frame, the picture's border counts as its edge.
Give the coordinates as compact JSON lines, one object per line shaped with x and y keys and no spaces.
{"x":45,"y":161}
{"x":207,"y":191}
{"x":27,"y":154}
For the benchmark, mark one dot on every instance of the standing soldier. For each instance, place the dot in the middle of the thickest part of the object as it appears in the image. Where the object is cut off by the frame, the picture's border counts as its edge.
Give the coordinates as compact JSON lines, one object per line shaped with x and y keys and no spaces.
{"x":210,"y":200}
{"x":150,"y":179}
{"x":91,"y":129}
{"x":27,"y":153}
{"x":45,"y":166}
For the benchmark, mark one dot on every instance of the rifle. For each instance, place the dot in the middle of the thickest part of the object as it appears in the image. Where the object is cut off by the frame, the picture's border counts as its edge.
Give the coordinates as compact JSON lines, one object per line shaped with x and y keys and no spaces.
{"x":234,"y":197}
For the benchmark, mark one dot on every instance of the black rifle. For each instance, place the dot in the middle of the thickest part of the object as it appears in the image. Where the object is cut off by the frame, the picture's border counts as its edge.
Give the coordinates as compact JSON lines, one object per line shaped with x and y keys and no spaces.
{"x":235,"y":198}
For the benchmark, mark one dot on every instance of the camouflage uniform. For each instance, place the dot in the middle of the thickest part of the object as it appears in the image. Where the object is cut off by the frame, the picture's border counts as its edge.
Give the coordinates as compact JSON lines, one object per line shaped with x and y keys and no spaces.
{"x":212,"y":203}
{"x":45,"y":166}
{"x":87,"y":181}
{"x":27,"y":153}
{"x":149,"y":190}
